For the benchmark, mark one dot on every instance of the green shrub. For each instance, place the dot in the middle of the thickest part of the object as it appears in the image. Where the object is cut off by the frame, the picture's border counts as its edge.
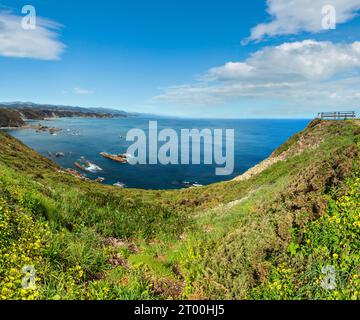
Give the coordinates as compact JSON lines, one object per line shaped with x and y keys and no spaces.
{"x":332,"y":240}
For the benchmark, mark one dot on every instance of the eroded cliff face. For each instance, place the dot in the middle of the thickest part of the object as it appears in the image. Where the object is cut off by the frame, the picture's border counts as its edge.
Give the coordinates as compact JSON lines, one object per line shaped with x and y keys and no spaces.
{"x":10,"y":118}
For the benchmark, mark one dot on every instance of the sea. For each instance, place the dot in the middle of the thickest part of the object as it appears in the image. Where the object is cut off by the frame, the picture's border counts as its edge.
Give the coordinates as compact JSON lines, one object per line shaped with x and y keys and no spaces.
{"x":255,"y":140}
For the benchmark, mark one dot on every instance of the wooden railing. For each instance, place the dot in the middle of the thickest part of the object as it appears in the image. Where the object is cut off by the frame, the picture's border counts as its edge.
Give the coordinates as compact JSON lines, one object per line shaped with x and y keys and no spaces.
{"x":342,"y":115}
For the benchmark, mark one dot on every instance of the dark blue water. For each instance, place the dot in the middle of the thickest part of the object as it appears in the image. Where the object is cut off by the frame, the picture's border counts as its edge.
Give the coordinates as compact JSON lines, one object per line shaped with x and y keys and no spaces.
{"x":255,"y":140}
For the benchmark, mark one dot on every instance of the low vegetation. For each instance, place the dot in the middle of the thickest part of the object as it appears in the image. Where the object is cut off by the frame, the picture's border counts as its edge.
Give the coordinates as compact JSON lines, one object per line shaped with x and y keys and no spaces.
{"x":266,"y":237}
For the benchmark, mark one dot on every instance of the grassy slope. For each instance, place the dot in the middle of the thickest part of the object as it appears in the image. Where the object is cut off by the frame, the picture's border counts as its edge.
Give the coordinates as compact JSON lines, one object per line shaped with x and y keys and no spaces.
{"x":233,"y":240}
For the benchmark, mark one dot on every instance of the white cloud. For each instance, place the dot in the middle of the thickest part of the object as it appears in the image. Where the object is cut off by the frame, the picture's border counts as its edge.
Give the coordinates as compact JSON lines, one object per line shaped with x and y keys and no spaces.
{"x":305,"y":60}
{"x":299,"y":71}
{"x":81,"y":91}
{"x":42,"y":43}
{"x":295,"y":16}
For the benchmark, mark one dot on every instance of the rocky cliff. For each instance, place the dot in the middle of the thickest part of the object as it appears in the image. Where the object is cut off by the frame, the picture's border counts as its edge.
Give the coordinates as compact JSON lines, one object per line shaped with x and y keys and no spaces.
{"x":10,"y":118}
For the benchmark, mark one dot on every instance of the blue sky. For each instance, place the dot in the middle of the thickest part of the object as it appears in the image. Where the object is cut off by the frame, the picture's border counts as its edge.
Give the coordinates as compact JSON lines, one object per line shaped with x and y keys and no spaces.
{"x":183,"y":58}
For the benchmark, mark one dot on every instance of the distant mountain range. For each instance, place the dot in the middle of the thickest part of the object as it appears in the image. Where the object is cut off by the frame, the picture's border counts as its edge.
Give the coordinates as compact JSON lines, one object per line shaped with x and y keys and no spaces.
{"x":14,"y":114}
{"x":50,"y":107}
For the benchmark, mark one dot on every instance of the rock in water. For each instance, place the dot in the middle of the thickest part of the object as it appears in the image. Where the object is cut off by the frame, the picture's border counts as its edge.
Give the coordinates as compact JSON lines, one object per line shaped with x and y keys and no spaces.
{"x":119,"y":184}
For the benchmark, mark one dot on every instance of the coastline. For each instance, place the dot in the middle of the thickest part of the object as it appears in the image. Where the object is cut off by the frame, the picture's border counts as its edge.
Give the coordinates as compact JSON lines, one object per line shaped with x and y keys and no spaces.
{"x":40,"y":127}
{"x":17,"y":128}
{"x":15,"y":118}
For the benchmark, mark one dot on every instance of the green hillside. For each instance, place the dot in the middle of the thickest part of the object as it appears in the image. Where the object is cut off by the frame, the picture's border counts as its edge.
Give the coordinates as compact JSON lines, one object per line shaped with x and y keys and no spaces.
{"x":265,"y":235}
